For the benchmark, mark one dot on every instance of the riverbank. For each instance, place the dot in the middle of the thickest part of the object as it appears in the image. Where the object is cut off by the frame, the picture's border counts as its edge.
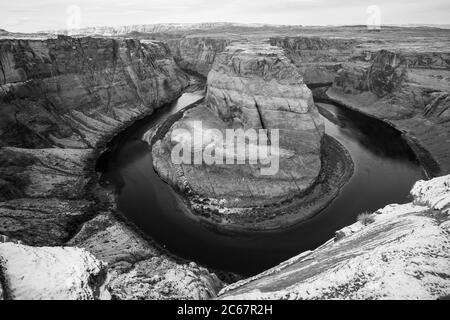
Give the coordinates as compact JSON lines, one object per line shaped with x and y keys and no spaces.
{"x":428,"y":140}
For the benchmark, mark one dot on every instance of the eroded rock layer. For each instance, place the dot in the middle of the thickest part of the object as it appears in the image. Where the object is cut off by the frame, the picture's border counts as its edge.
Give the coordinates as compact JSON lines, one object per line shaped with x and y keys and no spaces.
{"x":51,"y":273}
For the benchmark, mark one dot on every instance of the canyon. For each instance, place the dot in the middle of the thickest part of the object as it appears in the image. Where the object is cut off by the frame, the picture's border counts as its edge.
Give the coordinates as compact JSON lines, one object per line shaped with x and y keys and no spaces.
{"x":63,"y":99}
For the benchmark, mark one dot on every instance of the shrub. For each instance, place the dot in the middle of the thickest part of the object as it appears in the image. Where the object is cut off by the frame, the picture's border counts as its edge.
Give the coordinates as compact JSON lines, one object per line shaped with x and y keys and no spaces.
{"x":366,"y":218}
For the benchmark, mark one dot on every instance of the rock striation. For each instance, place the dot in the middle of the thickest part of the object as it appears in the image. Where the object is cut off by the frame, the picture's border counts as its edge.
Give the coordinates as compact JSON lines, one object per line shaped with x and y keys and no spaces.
{"x":317,"y":58}
{"x":403,"y":253}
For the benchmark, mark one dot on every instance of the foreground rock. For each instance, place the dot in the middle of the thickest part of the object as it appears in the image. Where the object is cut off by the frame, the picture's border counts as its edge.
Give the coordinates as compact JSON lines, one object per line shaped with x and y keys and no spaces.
{"x":140,"y":269}
{"x":51,"y":273}
{"x":250,"y":86}
{"x":400,"y":252}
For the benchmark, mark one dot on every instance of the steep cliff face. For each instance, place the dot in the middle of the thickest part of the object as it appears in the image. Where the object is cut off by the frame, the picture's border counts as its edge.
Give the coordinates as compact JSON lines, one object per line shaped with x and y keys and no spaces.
{"x":60,"y":101}
{"x":250,"y":86}
{"x":73,"y":92}
{"x":197,"y":53}
{"x":402,"y":252}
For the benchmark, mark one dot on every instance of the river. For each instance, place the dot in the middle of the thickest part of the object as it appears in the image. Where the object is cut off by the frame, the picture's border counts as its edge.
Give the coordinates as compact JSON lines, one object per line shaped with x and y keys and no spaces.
{"x":385,"y":170}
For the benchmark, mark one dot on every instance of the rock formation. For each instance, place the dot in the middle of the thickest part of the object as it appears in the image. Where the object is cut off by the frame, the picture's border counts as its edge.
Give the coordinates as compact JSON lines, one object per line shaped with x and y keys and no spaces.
{"x":404,"y":253}
{"x":61,"y":100}
{"x":250,"y":86}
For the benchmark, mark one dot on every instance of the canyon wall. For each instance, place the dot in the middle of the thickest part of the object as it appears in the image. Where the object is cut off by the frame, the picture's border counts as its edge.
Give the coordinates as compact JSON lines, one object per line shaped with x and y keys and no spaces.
{"x":401,"y":251}
{"x":72,"y":92}
{"x":51,"y":273}
{"x":61,"y":100}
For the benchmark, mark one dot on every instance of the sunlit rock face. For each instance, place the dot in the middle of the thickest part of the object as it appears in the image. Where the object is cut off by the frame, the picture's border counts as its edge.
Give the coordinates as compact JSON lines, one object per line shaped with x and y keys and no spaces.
{"x":403,"y":252}
{"x":250,"y":86}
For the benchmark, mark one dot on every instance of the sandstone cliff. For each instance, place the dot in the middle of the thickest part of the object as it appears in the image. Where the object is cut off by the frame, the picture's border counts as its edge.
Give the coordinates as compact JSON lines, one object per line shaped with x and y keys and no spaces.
{"x":402,"y":252}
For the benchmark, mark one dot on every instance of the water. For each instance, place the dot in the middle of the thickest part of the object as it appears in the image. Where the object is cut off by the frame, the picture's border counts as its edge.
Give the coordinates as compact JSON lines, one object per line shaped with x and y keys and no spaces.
{"x":385,"y":170}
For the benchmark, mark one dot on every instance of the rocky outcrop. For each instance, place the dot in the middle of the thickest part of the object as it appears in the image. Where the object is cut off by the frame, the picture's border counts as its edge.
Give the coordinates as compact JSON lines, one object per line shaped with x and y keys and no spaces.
{"x":51,"y":273}
{"x":402,"y":253}
{"x":251,"y":86}
{"x":140,"y":269}
{"x":197,"y":53}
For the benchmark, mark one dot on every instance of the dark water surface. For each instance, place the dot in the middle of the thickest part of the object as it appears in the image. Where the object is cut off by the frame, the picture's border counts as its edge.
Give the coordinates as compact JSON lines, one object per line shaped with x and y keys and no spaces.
{"x":385,"y":170}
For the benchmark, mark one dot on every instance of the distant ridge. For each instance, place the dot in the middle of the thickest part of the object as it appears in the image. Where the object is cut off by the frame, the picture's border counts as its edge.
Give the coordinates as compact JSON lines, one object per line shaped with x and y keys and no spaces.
{"x":160,"y":27}
{"x":204,"y":26}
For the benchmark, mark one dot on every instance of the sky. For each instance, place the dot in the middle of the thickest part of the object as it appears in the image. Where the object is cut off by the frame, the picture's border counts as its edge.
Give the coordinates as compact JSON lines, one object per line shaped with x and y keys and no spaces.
{"x":37,"y":15}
